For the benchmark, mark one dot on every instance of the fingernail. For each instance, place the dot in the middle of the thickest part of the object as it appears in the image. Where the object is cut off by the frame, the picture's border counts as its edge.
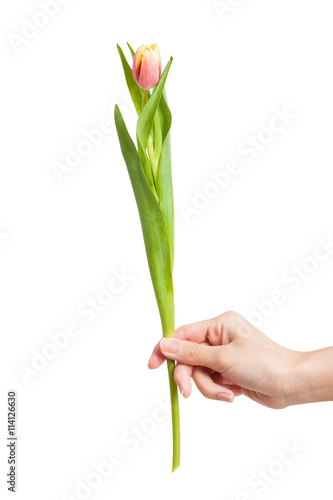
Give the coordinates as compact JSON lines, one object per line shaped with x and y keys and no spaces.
{"x":169,"y":345}
{"x":225,"y":397}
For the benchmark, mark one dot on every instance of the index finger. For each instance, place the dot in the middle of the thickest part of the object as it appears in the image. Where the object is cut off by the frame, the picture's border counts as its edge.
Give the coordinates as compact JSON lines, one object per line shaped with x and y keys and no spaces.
{"x":195,"y":332}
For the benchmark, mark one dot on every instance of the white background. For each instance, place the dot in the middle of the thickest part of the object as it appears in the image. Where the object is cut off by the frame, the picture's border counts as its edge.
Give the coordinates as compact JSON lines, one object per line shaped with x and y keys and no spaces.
{"x":62,"y":238}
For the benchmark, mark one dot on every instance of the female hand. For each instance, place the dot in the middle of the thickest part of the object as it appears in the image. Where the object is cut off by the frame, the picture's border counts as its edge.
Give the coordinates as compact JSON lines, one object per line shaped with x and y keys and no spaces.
{"x":227,"y":356}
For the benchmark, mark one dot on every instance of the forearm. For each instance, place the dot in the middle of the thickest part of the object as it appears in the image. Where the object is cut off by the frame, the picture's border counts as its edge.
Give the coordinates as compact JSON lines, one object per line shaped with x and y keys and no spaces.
{"x":313,"y":377}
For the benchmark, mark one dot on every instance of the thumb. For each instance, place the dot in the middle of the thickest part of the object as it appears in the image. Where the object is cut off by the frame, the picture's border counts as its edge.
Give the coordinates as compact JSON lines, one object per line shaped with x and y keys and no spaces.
{"x":192,"y":353}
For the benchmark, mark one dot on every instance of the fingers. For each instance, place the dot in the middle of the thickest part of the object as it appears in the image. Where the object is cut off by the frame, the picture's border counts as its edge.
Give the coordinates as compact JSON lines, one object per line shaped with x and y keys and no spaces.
{"x":223,"y":382}
{"x":156,"y":359}
{"x":208,"y":330}
{"x":182,"y":376}
{"x":182,"y":373}
{"x":191,"y":353}
{"x":196,"y":332}
{"x":209,"y":388}
{"x":212,"y":329}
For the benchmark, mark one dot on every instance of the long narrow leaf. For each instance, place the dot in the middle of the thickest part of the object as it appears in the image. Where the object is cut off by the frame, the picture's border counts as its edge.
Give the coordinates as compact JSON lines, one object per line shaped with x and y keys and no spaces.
{"x":164,"y":173}
{"x":157,"y":135}
{"x":153,"y":227}
{"x":131,"y":50}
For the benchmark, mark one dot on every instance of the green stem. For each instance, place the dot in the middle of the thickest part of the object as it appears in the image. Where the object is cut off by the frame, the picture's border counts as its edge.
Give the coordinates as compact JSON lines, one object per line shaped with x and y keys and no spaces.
{"x":144,"y":97}
{"x":175,"y":416}
{"x":168,"y":324}
{"x":168,"y":330}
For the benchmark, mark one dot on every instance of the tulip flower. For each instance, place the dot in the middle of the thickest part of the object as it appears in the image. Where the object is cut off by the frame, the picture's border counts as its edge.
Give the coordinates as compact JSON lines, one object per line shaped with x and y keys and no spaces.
{"x":147,"y":66}
{"x":149,"y":168}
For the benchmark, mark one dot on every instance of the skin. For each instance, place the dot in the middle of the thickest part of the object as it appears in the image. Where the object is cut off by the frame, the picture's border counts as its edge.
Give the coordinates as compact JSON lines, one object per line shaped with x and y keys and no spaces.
{"x":227,"y":357}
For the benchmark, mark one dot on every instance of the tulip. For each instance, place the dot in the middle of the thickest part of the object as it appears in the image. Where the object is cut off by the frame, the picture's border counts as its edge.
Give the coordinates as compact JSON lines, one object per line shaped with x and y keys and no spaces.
{"x":152,"y":185}
{"x":147,"y":66}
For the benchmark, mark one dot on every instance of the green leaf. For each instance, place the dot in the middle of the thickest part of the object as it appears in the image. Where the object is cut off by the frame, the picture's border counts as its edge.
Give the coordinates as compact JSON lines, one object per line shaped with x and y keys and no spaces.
{"x":133,"y":87}
{"x":164,"y":173}
{"x":153,"y":226}
{"x":164,"y":115}
{"x":146,"y":118}
{"x":132,"y":51}
{"x":157,"y":136}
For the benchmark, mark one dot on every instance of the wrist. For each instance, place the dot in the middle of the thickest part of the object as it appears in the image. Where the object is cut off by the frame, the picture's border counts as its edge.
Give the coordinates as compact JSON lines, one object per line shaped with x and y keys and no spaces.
{"x":312,"y":377}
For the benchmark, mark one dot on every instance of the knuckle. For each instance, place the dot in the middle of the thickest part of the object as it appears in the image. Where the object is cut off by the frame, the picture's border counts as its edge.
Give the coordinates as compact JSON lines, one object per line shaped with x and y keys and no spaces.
{"x":230,"y":315}
{"x":180,"y":332}
{"x":214,"y":334}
